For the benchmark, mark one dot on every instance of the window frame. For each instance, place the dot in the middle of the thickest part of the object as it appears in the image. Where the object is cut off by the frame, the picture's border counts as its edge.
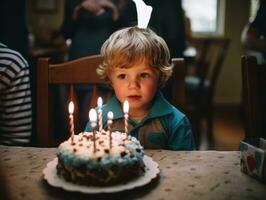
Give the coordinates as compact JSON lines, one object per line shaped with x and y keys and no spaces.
{"x":220,"y":21}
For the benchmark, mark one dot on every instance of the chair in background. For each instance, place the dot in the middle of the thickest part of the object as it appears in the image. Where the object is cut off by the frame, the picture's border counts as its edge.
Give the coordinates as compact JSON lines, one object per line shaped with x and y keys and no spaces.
{"x":254,"y":96}
{"x":202,"y":75}
{"x":80,"y":71}
{"x":177,"y":82}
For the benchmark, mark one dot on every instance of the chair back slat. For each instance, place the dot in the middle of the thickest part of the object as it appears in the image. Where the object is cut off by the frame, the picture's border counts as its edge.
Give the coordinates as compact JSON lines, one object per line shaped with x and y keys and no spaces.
{"x":79,"y":71}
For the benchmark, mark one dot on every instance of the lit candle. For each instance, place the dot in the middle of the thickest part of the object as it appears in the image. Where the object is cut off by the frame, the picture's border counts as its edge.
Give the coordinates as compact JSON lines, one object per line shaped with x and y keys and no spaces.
{"x":125,"y":109}
{"x":93,"y":119}
{"x":100,"y":114}
{"x":71,"y":119}
{"x":110,"y":116}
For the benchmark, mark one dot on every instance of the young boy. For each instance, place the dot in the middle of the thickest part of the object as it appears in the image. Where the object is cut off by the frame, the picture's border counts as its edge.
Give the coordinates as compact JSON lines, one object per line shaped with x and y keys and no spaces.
{"x":136,"y":64}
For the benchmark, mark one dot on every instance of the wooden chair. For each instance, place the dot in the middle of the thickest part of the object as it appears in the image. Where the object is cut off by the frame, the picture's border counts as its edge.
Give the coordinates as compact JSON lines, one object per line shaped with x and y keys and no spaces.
{"x":81,"y":71}
{"x":177,"y":82}
{"x":201,"y":81}
{"x":254,"y":90}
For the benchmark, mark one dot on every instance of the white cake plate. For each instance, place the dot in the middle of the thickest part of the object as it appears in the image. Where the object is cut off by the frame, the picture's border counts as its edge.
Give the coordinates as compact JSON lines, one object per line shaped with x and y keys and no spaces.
{"x":50,"y":175}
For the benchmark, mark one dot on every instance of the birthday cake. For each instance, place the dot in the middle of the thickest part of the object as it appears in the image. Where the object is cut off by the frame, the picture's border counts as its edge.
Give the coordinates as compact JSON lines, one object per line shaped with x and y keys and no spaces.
{"x":100,"y":159}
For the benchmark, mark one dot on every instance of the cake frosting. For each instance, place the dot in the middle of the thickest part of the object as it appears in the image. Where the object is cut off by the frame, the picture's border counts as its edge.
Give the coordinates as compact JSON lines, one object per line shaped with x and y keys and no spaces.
{"x":79,"y":162}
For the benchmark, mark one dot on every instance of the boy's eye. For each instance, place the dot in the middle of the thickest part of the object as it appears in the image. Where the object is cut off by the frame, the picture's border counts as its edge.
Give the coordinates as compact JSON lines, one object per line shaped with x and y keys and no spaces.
{"x":144,"y":75}
{"x":121,"y":76}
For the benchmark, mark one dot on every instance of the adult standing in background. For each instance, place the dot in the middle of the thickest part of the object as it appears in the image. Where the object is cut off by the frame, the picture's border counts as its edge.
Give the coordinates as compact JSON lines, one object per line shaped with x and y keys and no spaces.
{"x":15,"y":98}
{"x":89,"y":23}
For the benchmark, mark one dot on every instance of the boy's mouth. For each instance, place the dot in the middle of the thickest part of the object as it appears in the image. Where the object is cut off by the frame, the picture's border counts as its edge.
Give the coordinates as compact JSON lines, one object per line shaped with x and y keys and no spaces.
{"x":134,"y":97}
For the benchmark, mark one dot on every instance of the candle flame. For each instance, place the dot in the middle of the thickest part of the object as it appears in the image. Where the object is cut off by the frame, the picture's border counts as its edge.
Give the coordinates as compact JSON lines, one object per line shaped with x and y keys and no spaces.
{"x":71,"y":107}
{"x":110,"y":115}
{"x":100,"y":102}
{"x":93,"y":115}
{"x":125,"y":106}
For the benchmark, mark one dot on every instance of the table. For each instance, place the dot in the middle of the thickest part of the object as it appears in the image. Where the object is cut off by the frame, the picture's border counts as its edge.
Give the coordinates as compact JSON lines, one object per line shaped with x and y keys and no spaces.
{"x":184,"y":175}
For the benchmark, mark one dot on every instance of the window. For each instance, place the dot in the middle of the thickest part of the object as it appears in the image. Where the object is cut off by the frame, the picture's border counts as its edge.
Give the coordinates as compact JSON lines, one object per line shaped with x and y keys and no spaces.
{"x":206,"y":16}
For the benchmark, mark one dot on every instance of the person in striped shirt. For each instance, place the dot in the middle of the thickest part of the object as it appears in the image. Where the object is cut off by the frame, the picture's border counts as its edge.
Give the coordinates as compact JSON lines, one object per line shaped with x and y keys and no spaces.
{"x":15,"y":98}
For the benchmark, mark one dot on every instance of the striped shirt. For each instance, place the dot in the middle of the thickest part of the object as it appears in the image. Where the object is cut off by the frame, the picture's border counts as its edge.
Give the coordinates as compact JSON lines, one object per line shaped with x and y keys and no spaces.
{"x":15,"y":98}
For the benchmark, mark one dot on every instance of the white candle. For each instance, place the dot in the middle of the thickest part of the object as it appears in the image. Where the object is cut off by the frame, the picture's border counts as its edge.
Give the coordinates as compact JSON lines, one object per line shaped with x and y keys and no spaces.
{"x":93,"y":121}
{"x":125,"y":109}
{"x":71,"y":119}
{"x":100,"y":114}
{"x":110,"y":116}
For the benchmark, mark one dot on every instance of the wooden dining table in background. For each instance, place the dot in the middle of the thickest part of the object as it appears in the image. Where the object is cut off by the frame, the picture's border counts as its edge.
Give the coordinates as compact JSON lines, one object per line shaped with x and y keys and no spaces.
{"x":183,"y":175}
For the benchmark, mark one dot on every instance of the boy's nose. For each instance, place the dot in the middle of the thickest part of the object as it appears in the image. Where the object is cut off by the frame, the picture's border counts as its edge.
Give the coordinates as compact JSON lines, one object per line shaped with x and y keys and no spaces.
{"x":133,"y":83}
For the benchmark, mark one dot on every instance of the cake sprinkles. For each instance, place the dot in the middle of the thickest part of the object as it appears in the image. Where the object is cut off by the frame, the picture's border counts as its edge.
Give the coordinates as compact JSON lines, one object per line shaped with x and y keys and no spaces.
{"x":78,"y":163}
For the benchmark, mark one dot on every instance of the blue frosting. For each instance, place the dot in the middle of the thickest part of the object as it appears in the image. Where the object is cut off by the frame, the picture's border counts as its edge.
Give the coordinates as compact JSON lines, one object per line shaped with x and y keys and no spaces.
{"x":107,"y":160}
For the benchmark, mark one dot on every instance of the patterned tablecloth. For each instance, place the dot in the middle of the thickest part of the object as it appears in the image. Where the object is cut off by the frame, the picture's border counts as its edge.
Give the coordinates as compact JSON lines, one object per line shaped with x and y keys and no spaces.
{"x":183,"y":175}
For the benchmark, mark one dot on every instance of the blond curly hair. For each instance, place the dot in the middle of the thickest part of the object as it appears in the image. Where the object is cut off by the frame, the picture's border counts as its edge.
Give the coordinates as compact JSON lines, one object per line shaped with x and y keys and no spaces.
{"x":128,"y":46}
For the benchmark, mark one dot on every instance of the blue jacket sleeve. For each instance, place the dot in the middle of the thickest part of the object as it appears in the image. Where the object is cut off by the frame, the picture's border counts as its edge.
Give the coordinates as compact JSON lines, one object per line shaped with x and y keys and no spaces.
{"x":180,"y":135}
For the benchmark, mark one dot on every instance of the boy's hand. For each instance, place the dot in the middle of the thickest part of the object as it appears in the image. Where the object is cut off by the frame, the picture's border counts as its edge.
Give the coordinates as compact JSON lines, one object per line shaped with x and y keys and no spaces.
{"x":96,"y":7}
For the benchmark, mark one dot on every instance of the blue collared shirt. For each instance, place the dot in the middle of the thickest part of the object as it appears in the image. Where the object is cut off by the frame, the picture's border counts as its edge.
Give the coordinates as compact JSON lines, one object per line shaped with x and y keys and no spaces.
{"x":164,"y":127}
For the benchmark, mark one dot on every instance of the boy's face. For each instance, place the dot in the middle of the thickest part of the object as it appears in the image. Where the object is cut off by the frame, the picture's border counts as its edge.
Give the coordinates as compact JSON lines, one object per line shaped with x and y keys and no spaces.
{"x":137,"y":84}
